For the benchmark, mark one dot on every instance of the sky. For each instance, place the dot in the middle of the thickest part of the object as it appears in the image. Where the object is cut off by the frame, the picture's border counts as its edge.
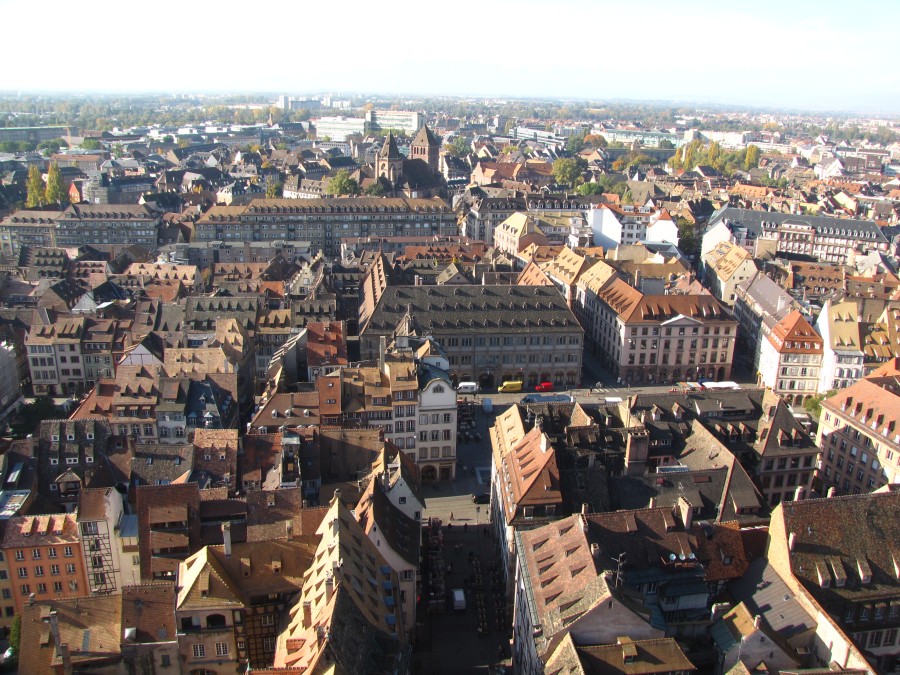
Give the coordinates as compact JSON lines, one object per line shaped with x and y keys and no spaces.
{"x":786,"y":54}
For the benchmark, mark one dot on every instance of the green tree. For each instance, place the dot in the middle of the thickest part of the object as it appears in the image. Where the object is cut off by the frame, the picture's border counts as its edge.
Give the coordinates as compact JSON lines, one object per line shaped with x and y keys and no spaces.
{"x":35,"y":186}
{"x":376,"y":189}
{"x":54,"y":194}
{"x":342,"y":184}
{"x":590,"y":189}
{"x":91,"y":144}
{"x":689,"y":238}
{"x":168,"y":139}
{"x":595,"y":141}
{"x":460,"y":146}
{"x":15,"y":636}
{"x":813,"y":405}
{"x":666,"y":144}
{"x":274,"y":189}
{"x":567,"y":170}
{"x":751,"y":159}
{"x":575,"y":143}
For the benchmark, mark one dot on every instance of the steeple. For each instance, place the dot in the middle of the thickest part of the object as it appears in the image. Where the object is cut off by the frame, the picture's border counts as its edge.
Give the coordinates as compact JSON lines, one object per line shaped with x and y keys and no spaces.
{"x":389,"y":163}
{"x":427,"y":147}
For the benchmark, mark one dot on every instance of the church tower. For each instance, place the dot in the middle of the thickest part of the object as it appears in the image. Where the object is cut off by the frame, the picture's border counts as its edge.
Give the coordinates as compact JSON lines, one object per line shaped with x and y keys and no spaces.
{"x":425,"y":146}
{"x":389,"y":163}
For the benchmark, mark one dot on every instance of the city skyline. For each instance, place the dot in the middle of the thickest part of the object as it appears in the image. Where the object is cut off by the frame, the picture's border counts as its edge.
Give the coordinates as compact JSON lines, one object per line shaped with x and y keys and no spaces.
{"x":766,"y":55}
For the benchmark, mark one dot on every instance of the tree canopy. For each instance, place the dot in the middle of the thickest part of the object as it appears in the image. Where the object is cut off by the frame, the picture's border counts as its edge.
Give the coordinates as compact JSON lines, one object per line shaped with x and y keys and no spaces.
{"x":54,"y":193}
{"x":91,"y":144}
{"x":697,"y":152}
{"x":342,"y":184}
{"x":568,"y":170}
{"x":36,"y":191}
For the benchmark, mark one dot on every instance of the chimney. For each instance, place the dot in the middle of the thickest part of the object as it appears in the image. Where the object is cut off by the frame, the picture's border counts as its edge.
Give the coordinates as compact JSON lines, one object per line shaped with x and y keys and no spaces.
{"x":791,"y":539}
{"x":329,"y":586}
{"x":54,"y":630}
{"x":226,"y":538}
{"x":686,"y":512}
{"x":66,"y":657}
{"x":757,"y":620}
{"x":585,"y":508}
{"x":595,"y":551}
{"x":307,"y":614}
{"x":652,"y":503}
{"x":830,"y":493}
{"x":799,"y":493}
{"x":545,"y":443}
{"x":337,"y":495}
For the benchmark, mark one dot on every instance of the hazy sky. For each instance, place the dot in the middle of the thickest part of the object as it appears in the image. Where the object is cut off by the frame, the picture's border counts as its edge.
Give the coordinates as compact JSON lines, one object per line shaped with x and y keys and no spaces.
{"x":785,"y":53}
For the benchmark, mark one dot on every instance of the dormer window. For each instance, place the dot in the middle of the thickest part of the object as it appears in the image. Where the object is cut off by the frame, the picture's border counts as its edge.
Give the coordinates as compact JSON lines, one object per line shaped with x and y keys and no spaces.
{"x":55,"y":438}
{"x":70,"y":437}
{"x":90,"y":435}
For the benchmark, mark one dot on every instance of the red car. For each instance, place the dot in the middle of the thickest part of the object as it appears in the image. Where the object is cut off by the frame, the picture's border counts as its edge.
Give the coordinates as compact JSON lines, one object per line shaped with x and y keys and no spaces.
{"x":544,"y":386}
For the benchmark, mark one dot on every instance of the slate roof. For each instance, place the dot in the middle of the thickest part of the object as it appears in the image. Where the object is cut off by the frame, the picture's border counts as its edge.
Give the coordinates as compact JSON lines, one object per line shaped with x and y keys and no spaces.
{"x":764,"y":592}
{"x":845,"y":539}
{"x":150,"y":610}
{"x":512,"y":309}
{"x":842,"y":228}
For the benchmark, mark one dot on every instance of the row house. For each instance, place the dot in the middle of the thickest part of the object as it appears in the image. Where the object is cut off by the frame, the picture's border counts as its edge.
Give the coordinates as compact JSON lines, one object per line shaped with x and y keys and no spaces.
{"x":525,"y":483}
{"x":790,"y":358}
{"x":323,"y":222}
{"x":786,"y":455}
{"x":69,"y":452}
{"x":726,"y":266}
{"x":859,"y":437}
{"x":347,"y":611}
{"x":613,"y":225}
{"x":54,"y":357}
{"x":658,"y":338}
{"x":484,"y":214}
{"x":412,"y":401}
{"x":45,"y":558}
{"x":824,"y":238}
{"x":123,"y":224}
{"x":759,"y":305}
{"x":837,"y":557}
{"x":111,"y":559}
{"x":27,"y":228}
{"x":491,"y":334}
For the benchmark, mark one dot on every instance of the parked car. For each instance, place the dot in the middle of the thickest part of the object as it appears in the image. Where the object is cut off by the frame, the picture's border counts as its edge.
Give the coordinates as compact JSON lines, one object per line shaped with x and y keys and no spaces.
{"x":483,"y":498}
{"x":544,"y":386}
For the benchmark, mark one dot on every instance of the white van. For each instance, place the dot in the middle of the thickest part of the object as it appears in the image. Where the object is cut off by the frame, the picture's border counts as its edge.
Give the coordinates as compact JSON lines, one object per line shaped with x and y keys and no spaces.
{"x":467,"y":388}
{"x":459,"y":599}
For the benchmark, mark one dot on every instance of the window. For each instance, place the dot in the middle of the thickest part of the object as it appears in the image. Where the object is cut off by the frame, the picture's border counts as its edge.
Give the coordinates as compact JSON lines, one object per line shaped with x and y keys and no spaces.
{"x":73,"y":586}
{"x":67,"y":551}
{"x":39,"y":570}
{"x":20,"y":555}
{"x":268,"y":619}
{"x":199,"y":651}
{"x":54,"y":570}
{"x":70,"y":568}
{"x":269,"y":643}
{"x":42,"y":588}
{"x":23,"y":573}
{"x":221,"y":649}
{"x":26,"y":589}
{"x":51,"y":553}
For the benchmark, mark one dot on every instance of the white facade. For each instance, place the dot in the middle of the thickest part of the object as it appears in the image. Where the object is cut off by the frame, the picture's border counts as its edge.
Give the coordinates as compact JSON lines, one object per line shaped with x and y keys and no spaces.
{"x":9,"y":376}
{"x":788,"y":373}
{"x":338,"y":128}
{"x":611,"y":226}
{"x":436,"y":454}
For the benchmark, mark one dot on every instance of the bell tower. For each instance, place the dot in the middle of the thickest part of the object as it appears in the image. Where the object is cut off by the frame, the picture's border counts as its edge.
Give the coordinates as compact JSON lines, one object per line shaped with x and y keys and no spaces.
{"x":389,"y":163}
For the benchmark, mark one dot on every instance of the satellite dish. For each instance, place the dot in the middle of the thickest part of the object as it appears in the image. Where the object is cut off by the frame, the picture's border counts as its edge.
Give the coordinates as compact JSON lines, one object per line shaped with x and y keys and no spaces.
{"x":692,"y":556}
{"x":681,"y":556}
{"x":672,"y":557}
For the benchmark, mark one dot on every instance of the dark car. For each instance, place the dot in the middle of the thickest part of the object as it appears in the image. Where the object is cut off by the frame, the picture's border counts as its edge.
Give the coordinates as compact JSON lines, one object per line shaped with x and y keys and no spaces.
{"x":483,"y":498}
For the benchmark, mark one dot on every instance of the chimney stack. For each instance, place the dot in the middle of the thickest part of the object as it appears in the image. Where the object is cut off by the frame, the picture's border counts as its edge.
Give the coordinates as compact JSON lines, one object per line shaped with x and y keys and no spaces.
{"x":686,"y":512}
{"x":757,"y":620}
{"x":799,"y":493}
{"x":226,"y":538}
{"x":791,"y":539}
{"x":307,"y":614}
{"x":830,"y":492}
{"x":66,"y":657}
{"x":54,"y":630}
